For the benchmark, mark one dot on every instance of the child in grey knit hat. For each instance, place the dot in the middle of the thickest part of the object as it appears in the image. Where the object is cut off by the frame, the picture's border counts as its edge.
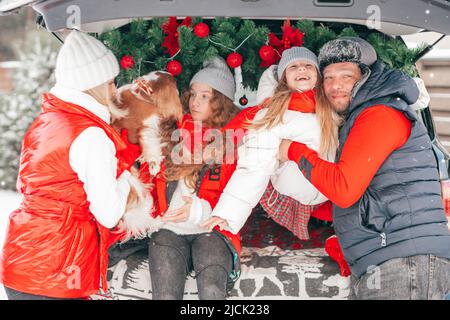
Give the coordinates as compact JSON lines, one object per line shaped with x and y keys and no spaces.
{"x":211,"y":94}
{"x":217,"y":75}
{"x":287,"y":113}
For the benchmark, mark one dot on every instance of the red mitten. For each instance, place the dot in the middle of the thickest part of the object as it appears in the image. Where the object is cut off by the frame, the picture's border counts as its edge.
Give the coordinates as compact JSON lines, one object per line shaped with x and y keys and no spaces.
{"x":324,"y":212}
{"x":130,"y":154}
{"x":334,"y":250}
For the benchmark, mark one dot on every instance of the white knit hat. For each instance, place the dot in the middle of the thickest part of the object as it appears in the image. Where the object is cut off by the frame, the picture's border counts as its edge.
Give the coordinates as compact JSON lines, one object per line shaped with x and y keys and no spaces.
{"x":84,"y":63}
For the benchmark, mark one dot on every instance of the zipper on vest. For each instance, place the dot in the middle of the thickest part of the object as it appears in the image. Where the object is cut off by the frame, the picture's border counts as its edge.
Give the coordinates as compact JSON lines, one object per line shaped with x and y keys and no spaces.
{"x":383,"y":239}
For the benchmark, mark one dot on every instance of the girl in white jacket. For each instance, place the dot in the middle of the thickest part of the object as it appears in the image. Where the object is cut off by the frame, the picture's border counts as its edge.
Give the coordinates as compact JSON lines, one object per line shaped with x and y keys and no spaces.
{"x":289,"y":114}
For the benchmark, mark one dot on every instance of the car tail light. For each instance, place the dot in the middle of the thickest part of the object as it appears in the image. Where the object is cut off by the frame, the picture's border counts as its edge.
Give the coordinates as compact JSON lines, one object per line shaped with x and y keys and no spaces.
{"x":446,"y":196}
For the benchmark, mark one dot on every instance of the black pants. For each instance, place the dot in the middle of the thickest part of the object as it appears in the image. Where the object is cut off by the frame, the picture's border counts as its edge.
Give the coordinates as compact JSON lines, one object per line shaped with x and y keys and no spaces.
{"x":17,"y":295}
{"x":172,"y":257}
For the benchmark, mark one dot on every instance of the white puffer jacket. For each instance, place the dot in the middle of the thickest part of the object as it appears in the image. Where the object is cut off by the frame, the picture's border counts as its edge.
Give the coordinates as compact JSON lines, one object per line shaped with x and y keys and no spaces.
{"x":258,"y":163}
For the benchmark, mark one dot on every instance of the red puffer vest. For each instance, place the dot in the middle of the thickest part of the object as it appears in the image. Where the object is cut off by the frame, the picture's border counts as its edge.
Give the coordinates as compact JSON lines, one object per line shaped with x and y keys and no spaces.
{"x":54,"y":247}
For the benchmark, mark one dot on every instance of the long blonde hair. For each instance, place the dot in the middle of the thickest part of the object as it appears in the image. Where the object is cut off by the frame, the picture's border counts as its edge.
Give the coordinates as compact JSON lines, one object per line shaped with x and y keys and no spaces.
{"x":328,"y":118}
{"x":103,"y":96}
{"x":329,"y":121}
{"x":276,"y":105}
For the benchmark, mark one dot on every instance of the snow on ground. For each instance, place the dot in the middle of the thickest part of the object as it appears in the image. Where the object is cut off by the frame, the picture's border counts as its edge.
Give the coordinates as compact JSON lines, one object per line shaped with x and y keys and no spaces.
{"x":9,"y":201}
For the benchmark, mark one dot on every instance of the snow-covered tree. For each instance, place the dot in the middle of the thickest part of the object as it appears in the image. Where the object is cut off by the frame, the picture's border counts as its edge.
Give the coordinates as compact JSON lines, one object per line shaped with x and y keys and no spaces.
{"x":19,"y":108}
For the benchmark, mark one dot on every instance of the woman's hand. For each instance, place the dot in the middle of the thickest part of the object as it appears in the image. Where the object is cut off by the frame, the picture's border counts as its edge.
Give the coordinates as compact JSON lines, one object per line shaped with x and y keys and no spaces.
{"x":179,"y":215}
{"x":283,"y":150}
{"x":214,"y":221}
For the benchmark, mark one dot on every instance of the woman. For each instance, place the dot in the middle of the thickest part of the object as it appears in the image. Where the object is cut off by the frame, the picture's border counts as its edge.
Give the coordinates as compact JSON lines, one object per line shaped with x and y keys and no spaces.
{"x":73,"y":177}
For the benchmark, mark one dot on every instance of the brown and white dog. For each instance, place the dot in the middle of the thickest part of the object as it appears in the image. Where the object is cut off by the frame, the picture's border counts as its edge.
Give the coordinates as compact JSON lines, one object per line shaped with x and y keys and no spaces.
{"x":150,"y":109}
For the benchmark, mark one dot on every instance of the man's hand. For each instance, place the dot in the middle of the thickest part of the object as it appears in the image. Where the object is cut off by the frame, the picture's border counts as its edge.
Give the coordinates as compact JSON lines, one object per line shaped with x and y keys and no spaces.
{"x":181,"y":214}
{"x":283,"y":150}
{"x":214,"y":221}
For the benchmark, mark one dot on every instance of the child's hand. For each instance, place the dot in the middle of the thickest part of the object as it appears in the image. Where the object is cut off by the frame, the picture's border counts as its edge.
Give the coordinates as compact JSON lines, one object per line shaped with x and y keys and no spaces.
{"x":283,"y":150}
{"x":181,"y":214}
{"x":214,"y":221}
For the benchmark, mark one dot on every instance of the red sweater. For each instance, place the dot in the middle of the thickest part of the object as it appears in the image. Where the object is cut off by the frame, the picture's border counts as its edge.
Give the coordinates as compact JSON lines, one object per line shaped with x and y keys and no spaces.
{"x":376,"y":133}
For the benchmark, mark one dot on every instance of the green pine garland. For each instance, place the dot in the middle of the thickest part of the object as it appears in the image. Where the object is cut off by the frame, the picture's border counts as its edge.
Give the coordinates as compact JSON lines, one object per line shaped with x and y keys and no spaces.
{"x":142,"y":39}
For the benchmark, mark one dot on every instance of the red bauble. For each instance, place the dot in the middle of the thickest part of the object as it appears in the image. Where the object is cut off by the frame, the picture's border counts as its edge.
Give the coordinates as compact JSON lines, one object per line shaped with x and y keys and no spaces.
{"x":174,"y":67}
{"x":266,"y":53}
{"x":243,"y":100}
{"x":127,"y":62}
{"x":201,"y":30}
{"x":234,"y":60}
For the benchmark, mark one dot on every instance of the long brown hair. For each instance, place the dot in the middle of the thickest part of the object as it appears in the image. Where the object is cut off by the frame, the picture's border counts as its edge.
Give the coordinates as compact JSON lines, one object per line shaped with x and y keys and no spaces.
{"x":222,"y":111}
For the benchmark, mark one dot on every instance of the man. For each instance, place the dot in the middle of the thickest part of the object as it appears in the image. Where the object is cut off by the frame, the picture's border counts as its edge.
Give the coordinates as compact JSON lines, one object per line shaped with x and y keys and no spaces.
{"x":388,"y":212}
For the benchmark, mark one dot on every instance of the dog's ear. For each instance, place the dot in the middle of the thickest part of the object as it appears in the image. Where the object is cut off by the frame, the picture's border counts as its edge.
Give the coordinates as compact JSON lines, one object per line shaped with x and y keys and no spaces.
{"x":127,"y":98}
{"x":142,"y":90}
{"x":119,"y":105}
{"x":167,"y":96}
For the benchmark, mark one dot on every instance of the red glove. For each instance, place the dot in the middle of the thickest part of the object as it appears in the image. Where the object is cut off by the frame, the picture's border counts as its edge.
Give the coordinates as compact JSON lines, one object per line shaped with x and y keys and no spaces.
{"x":129,"y":155}
{"x":334,"y":250}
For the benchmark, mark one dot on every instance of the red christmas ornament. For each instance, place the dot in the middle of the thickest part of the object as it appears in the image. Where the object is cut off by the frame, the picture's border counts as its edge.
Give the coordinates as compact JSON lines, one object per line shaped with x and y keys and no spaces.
{"x":127,"y":62}
{"x":291,"y":37}
{"x":174,"y":67}
{"x":234,"y":60}
{"x":266,"y":53}
{"x":201,"y":30}
{"x":243,"y":100}
{"x":170,"y":29}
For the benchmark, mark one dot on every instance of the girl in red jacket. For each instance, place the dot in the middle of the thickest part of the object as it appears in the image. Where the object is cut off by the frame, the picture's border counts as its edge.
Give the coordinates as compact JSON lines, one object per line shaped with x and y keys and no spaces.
{"x":74,"y":180}
{"x":182,"y":246}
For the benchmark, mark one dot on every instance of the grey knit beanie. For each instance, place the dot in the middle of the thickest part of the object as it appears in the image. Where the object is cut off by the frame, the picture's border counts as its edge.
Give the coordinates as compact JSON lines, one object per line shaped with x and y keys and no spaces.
{"x":217,"y":75}
{"x":293,"y":54}
{"x":347,"y":49}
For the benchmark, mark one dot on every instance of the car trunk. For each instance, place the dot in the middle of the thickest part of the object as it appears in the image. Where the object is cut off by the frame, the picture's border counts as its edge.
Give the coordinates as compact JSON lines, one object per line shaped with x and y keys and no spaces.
{"x":398,"y":18}
{"x":394,"y":18}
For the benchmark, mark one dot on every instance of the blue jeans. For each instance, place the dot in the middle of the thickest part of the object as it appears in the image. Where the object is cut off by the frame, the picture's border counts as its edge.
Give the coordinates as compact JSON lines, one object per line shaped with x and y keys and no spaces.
{"x":421,"y":277}
{"x":172,"y":257}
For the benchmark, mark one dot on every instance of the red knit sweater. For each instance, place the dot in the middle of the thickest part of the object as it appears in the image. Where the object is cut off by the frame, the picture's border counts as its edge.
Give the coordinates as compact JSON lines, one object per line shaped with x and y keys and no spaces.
{"x":376,"y":133}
